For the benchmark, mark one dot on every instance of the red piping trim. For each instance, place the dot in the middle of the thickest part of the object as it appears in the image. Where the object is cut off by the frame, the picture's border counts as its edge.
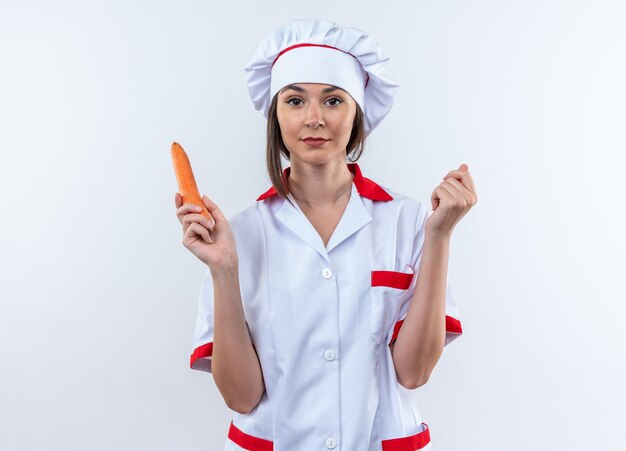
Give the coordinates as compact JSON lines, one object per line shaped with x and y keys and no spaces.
{"x":205,"y":350}
{"x":410,"y":443}
{"x":248,"y":442}
{"x":393,"y":279}
{"x":251,"y":443}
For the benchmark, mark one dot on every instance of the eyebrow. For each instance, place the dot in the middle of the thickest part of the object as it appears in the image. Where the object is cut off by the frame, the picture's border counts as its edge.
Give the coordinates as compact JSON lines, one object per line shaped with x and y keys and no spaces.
{"x":299,"y":89}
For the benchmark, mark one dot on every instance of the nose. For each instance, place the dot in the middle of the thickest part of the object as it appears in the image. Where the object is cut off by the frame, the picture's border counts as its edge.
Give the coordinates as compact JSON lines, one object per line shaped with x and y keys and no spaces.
{"x":314,"y":116}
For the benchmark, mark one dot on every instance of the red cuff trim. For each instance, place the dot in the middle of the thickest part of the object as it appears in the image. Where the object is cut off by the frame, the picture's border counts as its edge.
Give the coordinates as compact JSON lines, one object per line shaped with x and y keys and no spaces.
{"x":201,"y":351}
{"x":453,"y":326}
{"x":393,"y":279}
{"x":248,"y":442}
{"x":411,"y":443}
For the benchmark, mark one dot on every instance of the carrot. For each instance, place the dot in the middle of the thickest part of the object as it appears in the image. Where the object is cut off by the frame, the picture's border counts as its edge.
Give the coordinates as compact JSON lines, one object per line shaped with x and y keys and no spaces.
{"x":186,"y":181}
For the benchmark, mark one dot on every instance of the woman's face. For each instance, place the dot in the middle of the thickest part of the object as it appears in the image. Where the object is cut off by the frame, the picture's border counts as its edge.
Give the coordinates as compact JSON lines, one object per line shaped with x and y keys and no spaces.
{"x":314,"y":110}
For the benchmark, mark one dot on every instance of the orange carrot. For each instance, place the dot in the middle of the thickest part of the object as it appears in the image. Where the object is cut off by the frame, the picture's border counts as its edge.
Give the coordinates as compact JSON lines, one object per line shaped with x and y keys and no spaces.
{"x":186,"y":182}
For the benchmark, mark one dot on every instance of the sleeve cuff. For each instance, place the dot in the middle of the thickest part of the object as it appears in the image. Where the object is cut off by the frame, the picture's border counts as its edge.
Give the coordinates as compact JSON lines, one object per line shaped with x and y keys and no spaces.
{"x":201,"y":358}
{"x":453,"y":329}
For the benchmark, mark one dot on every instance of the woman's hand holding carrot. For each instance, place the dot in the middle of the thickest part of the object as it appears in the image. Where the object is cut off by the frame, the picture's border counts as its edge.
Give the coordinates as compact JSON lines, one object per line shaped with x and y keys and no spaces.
{"x":213,"y":244}
{"x":206,"y":232}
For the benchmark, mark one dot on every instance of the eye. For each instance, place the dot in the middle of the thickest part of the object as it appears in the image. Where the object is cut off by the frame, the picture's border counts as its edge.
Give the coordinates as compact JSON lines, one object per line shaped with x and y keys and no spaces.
{"x":337,"y":99}
{"x":293,"y":98}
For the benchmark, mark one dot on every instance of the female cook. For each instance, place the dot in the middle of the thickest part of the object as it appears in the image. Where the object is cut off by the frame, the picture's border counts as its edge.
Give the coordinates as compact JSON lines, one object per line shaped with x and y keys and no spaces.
{"x":327,"y":300}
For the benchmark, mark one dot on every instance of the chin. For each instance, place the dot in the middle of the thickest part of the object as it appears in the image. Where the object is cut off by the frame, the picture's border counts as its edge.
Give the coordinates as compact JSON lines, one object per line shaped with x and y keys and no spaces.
{"x":315,"y":157}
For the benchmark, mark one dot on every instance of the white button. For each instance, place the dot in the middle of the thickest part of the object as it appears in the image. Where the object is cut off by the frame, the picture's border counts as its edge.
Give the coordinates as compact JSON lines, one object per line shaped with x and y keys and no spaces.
{"x":331,"y":443}
{"x":330,"y":354}
{"x":327,"y":273}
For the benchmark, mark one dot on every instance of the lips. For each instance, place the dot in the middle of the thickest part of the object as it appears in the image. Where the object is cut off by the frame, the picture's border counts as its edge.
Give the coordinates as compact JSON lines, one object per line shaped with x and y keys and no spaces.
{"x":315,"y":141}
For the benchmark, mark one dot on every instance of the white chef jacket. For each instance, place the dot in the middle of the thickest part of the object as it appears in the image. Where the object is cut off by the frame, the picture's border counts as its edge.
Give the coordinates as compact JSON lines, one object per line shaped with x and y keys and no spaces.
{"x":321,"y":319}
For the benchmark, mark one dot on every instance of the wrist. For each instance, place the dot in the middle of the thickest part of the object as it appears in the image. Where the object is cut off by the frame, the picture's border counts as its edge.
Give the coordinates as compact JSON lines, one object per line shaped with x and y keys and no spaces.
{"x":438,"y":237}
{"x":228,"y":266}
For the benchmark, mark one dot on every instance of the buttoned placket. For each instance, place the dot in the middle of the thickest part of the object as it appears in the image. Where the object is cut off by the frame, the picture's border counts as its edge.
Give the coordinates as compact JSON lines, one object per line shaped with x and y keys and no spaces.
{"x":330,"y":355}
{"x":355,"y":216}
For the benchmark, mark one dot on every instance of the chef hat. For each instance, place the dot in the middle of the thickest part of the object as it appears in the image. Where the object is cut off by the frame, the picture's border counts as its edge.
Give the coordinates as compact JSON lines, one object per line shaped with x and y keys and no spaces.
{"x":320,"y":51}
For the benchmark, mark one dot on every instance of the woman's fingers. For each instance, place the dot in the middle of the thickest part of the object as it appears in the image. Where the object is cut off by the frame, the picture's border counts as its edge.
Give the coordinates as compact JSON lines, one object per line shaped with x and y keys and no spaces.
{"x":191,"y":218}
{"x":178,"y":199}
{"x":462,"y":174}
{"x":440,"y":193}
{"x":449,"y":187}
{"x":197,"y":229}
{"x":459,"y":190}
{"x":214,"y":210}
{"x":178,"y":202}
{"x":187,"y":209}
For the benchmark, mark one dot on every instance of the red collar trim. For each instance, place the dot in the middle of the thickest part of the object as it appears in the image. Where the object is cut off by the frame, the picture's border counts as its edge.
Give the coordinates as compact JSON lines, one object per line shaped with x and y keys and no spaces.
{"x":366,"y":187}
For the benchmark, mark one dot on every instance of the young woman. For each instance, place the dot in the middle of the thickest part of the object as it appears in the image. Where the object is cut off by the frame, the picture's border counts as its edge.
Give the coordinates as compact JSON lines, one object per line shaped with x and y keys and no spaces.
{"x":326,"y":301}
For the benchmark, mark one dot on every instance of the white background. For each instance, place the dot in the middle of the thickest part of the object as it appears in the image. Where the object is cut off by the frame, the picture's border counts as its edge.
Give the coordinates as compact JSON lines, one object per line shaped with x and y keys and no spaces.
{"x":99,"y":296}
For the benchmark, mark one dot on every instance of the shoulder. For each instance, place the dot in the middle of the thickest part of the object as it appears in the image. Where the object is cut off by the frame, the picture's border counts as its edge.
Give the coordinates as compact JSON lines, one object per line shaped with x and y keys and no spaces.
{"x":405,"y":206}
{"x":244,"y":216}
{"x":246,"y":222}
{"x":248,"y":231}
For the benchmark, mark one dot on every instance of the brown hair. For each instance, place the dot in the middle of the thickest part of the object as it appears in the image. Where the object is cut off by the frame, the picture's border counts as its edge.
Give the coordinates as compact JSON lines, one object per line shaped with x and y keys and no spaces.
{"x":275,"y":147}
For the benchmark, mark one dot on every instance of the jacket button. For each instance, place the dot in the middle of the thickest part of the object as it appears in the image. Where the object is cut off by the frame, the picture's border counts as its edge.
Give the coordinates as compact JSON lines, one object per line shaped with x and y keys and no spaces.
{"x":330,"y":354}
{"x":331,"y":443}
{"x":327,"y":273}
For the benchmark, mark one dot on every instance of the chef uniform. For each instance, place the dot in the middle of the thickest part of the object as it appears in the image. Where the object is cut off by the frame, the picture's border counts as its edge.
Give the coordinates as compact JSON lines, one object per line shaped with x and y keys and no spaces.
{"x":322,"y":318}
